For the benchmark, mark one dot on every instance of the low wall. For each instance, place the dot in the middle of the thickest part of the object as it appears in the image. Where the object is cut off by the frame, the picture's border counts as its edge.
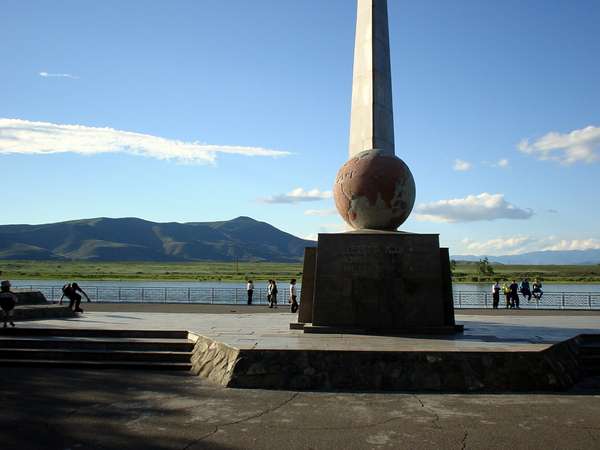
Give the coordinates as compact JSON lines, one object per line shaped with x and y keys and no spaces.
{"x":556,"y":368}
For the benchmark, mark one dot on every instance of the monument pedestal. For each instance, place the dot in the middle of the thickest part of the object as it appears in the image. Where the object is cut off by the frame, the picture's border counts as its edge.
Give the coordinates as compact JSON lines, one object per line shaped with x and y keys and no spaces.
{"x":380,"y":282}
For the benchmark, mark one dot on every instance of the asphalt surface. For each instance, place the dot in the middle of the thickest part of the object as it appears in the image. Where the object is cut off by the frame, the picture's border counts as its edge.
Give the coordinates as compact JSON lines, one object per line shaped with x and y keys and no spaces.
{"x":64,"y":409}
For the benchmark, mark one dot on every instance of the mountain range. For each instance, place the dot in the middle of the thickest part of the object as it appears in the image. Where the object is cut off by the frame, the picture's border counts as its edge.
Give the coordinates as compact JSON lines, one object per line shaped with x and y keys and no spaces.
{"x":566,"y":257}
{"x":243,"y":238}
{"x":133,"y":239}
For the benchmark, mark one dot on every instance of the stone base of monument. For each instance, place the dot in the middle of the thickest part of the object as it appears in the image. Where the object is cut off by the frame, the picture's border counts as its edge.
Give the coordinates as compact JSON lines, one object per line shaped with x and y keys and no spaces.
{"x":377,"y":282}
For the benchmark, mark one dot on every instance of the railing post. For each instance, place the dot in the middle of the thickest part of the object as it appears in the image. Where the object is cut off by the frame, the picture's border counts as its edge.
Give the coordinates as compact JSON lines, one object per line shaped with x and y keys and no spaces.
{"x":562,"y":301}
{"x":189,"y":295}
{"x":143,"y":295}
{"x":236,"y":295}
{"x":119,"y":295}
{"x":459,"y":299}
{"x":212,"y":295}
{"x":165,"y":297}
{"x":485,"y":299}
{"x":590,"y":301}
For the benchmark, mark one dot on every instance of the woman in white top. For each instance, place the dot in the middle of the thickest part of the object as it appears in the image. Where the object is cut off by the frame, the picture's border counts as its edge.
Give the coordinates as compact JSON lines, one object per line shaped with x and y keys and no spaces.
{"x":250,"y":290}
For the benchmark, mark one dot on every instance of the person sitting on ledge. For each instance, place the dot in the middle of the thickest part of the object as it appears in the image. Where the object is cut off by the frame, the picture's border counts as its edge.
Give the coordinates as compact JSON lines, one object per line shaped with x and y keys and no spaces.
{"x":537,"y":289}
{"x":71,"y":292}
{"x":8,"y":300}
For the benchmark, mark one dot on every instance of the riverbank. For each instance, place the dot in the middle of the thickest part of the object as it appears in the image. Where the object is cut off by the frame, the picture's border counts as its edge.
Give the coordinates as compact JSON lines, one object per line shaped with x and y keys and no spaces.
{"x":259,"y":271}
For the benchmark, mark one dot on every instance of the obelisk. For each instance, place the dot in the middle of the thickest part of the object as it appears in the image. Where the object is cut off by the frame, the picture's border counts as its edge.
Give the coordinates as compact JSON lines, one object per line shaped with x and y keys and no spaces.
{"x":374,"y":189}
{"x":375,"y":279}
{"x":372,"y":116}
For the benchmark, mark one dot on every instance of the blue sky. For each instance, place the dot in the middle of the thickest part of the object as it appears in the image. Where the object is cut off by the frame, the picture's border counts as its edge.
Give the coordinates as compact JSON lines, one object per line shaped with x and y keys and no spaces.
{"x":208,"y":110}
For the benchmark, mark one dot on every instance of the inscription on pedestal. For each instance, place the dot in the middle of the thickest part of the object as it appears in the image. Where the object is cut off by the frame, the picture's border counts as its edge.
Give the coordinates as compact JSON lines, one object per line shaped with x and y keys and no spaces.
{"x":383,"y":281}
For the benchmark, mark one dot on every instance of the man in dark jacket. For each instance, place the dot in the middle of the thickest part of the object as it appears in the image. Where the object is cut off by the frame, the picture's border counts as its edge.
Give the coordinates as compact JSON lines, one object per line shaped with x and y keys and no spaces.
{"x":514,"y":294}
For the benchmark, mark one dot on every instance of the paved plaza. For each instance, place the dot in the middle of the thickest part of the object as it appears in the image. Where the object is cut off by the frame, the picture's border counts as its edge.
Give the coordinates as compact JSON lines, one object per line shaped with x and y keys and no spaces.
{"x":105,"y":409}
{"x":61,"y":409}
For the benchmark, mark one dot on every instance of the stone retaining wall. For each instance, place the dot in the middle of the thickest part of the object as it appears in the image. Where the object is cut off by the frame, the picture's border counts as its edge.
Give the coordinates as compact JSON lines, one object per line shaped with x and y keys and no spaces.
{"x":556,"y":368}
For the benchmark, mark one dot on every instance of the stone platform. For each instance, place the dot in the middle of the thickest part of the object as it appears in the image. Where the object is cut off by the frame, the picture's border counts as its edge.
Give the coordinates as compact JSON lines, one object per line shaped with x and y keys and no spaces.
{"x":502,"y":352}
{"x":42,"y":311}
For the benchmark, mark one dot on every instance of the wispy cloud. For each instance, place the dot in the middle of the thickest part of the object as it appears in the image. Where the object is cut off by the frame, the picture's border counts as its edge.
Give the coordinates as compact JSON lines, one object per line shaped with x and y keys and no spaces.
{"x":515,"y":245}
{"x":503,"y":245}
{"x":299,"y":195}
{"x":320,"y":212}
{"x":503,"y":163}
{"x":57,"y":75}
{"x":471,"y":208}
{"x":577,"y":146}
{"x":462,"y":166}
{"x":574,"y":244}
{"x":25,"y":137}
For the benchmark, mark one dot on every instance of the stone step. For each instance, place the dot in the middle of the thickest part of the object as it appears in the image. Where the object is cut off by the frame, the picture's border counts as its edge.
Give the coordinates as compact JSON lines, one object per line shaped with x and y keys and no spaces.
{"x":95,"y":355}
{"x":85,"y":332}
{"x":95,"y":365}
{"x":85,"y":343}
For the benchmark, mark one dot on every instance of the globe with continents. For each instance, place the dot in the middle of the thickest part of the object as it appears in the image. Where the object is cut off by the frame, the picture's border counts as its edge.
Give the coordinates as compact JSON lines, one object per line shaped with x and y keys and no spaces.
{"x":374,"y":190}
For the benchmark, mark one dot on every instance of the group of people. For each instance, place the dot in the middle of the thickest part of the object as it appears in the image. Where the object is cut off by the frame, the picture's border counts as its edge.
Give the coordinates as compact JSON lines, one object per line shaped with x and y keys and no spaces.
{"x":272,"y":294}
{"x":511,"y":292}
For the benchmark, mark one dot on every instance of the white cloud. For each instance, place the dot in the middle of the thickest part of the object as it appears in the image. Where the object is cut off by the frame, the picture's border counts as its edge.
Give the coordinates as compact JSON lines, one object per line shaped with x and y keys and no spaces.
{"x":577,"y":146}
{"x":574,"y":244}
{"x":504,"y":245}
{"x":462,"y":166}
{"x":503,"y":163}
{"x":299,"y":195}
{"x":57,"y":75}
{"x":471,"y":208}
{"x":320,"y":212}
{"x":515,"y":245}
{"x":25,"y":137}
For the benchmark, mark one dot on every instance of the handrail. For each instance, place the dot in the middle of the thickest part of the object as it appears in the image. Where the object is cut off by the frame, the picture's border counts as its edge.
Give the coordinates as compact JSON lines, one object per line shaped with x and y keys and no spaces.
{"x":237,"y":295}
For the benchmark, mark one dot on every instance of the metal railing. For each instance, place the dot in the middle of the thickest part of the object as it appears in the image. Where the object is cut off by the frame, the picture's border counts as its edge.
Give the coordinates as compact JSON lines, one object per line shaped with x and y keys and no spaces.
{"x":549,"y":300}
{"x":233,"y":296}
{"x":201,"y":295}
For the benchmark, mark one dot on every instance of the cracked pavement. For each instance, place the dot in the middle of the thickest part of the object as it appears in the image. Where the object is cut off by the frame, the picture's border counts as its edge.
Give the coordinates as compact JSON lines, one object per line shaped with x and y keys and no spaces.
{"x":75,"y":409}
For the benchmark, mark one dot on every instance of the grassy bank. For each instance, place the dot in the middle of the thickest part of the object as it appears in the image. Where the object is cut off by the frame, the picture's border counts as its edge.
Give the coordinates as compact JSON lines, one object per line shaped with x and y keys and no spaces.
{"x":194,"y":271}
{"x":468,"y":273}
{"x":230,"y":271}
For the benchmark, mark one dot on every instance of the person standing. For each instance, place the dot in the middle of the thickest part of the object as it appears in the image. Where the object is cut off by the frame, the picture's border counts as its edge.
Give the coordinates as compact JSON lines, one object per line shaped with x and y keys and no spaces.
{"x":514,"y":295}
{"x":250,"y":291}
{"x":269,"y":289}
{"x":8,"y":300}
{"x":506,"y":292}
{"x":293,"y":296}
{"x":272,"y":291}
{"x":495,"y":295}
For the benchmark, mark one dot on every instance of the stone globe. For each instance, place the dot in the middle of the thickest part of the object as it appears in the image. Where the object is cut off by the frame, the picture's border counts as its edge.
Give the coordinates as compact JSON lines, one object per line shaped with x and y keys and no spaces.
{"x":374,"y":190}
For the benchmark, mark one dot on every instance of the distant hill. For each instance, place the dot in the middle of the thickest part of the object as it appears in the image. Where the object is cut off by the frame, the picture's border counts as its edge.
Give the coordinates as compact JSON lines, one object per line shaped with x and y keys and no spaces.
{"x":132,"y":239}
{"x":567,"y":257}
